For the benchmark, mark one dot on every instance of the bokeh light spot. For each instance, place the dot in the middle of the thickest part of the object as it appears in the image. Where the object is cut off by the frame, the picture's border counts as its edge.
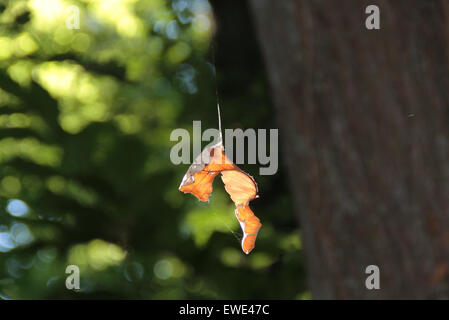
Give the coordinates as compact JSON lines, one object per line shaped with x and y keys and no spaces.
{"x":133,"y":272}
{"x":25,"y":44}
{"x":6,"y":242}
{"x":260,"y":260}
{"x":231,"y":257}
{"x":172,"y":30}
{"x":163,"y":269}
{"x":21,"y":234}
{"x":97,"y":254}
{"x":81,"y":42}
{"x":6,"y":48}
{"x":178,"y":52}
{"x":17,"y":208}
{"x":11,"y":185}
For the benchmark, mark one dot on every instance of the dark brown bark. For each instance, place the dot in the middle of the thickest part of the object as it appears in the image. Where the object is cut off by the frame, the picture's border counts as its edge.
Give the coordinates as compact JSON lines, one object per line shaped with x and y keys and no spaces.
{"x":364,"y":123}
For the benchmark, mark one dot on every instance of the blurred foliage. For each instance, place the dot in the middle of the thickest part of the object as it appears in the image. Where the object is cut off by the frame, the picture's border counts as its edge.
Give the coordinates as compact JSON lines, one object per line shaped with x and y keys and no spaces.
{"x":85,"y":175}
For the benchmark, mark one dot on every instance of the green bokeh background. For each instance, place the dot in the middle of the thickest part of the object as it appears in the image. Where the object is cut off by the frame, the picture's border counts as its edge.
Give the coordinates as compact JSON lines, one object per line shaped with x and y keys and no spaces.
{"x":85,"y":173}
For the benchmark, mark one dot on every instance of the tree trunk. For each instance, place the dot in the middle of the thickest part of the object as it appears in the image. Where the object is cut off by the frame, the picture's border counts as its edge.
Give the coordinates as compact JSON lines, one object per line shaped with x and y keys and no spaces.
{"x":364,"y":123}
